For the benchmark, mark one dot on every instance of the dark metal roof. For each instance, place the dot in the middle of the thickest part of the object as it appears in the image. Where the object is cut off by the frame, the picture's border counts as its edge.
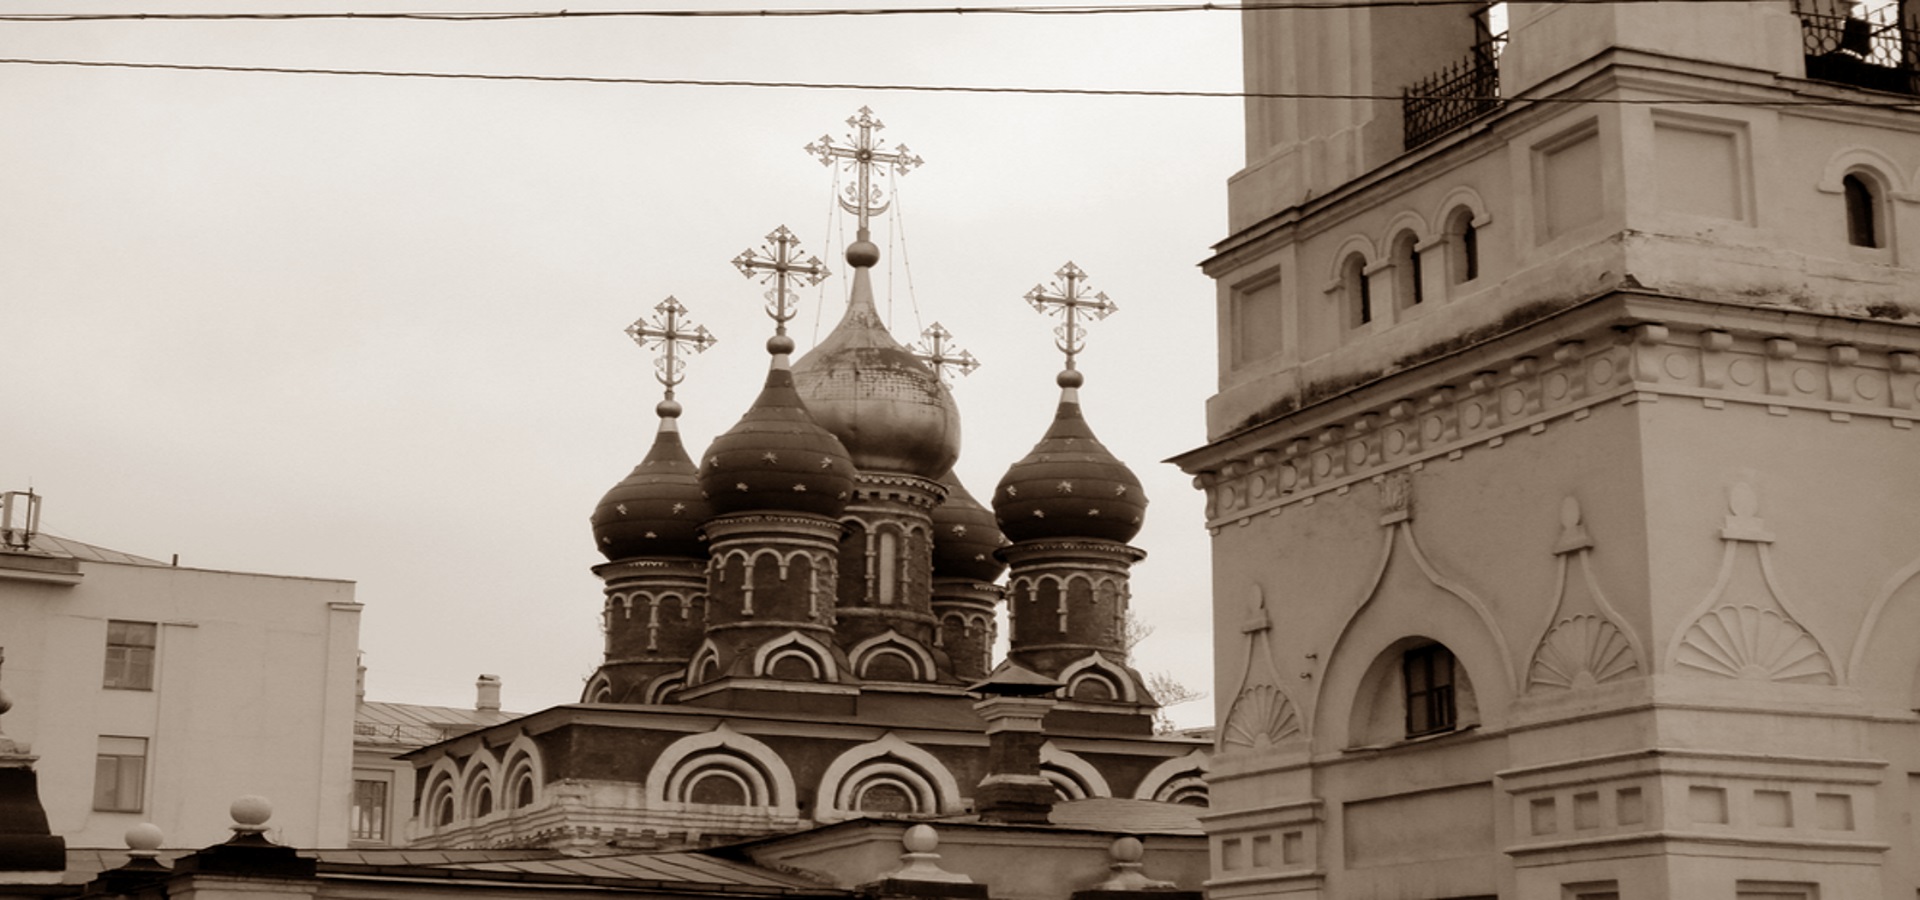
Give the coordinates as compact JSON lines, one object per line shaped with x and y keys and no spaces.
{"x":414,"y":725}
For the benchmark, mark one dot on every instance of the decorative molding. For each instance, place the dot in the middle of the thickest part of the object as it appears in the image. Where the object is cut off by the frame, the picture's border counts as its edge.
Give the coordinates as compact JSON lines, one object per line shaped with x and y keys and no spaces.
{"x":1075,"y":778}
{"x":1839,"y":368}
{"x":1261,"y":713}
{"x":1176,"y":778}
{"x":889,"y":759}
{"x":1097,"y":665}
{"x":1753,"y":636}
{"x":1586,"y":642}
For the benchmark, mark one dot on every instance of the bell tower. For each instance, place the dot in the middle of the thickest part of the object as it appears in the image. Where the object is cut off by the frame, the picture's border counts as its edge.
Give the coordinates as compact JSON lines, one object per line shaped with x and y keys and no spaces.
{"x":1569,"y":367}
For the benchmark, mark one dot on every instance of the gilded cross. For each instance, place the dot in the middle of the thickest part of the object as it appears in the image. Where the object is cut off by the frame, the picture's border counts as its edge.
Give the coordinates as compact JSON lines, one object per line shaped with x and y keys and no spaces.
{"x":1069,"y":299}
{"x":670,"y":331}
{"x":942,"y":357}
{"x":862,"y":152}
{"x":779,"y":263}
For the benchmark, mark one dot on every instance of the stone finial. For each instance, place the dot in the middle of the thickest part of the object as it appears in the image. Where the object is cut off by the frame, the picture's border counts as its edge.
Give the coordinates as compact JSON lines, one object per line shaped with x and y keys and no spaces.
{"x":143,"y":848}
{"x":1127,"y":852}
{"x":250,"y":814}
{"x":249,"y":852}
{"x":921,"y":862}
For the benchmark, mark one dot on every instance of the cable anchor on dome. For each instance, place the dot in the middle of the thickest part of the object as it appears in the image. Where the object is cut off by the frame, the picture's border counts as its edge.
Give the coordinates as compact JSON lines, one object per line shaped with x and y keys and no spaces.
{"x":942,"y":357}
{"x":672,"y":334}
{"x":861,"y":153}
{"x":779,"y":264}
{"x":1068,"y":298}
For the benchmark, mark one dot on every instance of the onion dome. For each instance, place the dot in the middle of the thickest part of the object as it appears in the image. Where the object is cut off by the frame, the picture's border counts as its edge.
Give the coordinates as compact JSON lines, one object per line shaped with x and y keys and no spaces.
{"x":1069,"y":486}
{"x":889,"y":409}
{"x":776,"y":459}
{"x":657,"y":510}
{"x":965,"y":536}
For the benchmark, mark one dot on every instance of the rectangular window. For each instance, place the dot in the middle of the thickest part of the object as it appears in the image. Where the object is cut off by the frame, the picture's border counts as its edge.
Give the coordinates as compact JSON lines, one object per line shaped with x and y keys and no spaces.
{"x":1429,"y":673}
{"x":130,"y":648}
{"x":1255,"y":321}
{"x":370,"y":810}
{"x":120,"y":774}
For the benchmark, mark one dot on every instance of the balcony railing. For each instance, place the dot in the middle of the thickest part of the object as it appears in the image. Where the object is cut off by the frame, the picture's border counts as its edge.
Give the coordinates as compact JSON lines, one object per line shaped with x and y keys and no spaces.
{"x":1448,"y":99}
{"x":1873,"y":49}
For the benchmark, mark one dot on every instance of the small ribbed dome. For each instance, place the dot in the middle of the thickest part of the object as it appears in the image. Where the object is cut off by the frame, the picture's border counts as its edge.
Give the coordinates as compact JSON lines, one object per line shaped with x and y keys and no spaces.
{"x":1069,"y":486}
{"x":888,"y":408}
{"x":965,"y":536}
{"x":776,"y":459}
{"x":657,"y":510}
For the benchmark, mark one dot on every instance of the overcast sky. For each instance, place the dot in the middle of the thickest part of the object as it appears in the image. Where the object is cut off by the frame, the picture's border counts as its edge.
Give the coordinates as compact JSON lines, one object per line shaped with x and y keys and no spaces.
{"x":371,"y":328}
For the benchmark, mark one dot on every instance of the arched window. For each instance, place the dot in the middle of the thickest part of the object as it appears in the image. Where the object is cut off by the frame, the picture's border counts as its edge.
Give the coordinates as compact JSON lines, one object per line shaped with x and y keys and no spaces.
{"x":1408,"y":291}
{"x":1359,"y":297}
{"x":1463,"y":246}
{"x":1863,"y":211}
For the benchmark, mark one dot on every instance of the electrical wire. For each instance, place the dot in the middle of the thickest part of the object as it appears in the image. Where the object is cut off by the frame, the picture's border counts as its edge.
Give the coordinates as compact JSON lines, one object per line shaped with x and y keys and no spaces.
{"x":812,"y":12}
{"x":1781,"y":103}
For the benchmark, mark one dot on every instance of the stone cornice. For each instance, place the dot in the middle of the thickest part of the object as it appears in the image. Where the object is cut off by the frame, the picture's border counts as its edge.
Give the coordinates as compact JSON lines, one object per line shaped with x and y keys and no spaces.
{"x":1622,"y":348}
{"x":1035,"y":554}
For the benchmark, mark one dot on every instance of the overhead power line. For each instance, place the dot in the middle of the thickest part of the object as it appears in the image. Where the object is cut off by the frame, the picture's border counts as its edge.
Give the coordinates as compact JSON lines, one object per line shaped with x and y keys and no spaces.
{"x":1805,"y":102}
{"x":815,"y":12}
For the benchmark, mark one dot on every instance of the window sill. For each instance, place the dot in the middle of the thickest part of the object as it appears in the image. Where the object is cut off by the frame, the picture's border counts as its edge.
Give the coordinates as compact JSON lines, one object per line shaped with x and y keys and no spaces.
{"x":1418,"y":739}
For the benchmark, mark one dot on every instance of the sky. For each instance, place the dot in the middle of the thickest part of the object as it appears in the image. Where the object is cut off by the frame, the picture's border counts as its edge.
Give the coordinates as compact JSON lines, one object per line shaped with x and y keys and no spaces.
{"x":371,"y":328}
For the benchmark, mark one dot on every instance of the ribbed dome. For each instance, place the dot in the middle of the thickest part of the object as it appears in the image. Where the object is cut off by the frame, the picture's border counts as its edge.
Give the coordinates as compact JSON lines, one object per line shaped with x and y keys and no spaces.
{"x":888,"y":408}
{"x":965,"y":536}
{"x":657,"y":510}
{"x":1069,"y":486}
{"x":776,"y":459}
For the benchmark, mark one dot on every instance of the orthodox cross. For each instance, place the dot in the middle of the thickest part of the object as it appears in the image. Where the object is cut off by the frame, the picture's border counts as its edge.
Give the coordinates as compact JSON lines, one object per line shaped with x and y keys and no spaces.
{"x":942,"y":357}
{"x":671,"y":332}
{"x":1069,"y":299}
{"x":778,"y":263}
{"x":862,"y":152}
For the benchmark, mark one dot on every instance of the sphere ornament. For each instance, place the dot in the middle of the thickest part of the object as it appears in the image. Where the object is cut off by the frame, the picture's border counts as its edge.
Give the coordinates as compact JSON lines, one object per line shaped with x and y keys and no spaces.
{"x":965,"y":536}
{"x":250,"y":812}
{"x":921,"y":838}
{"x":144,"y":838}
{"x":1069,"y":486}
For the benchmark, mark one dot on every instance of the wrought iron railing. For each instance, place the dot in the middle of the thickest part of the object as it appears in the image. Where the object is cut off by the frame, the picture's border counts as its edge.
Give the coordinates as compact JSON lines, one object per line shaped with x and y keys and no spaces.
{"x":1448,"y":99}
{"x":1872,"y":49}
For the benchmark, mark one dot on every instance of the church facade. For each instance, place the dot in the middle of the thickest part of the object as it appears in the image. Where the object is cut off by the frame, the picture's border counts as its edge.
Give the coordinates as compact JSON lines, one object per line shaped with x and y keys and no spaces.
{"x":1561,"y":474}
{"x":800,"y":625}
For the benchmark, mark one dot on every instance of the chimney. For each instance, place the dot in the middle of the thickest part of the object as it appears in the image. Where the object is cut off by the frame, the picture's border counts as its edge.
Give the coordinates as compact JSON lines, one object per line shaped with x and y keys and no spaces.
{"x":487,"y":691}
{"x":360,"y":678}
{"x":1013,"y":701}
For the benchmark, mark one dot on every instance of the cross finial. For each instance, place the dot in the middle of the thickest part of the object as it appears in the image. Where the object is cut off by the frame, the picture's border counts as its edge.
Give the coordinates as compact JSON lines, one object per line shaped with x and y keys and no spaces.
{"x":670,"y":332}
{"x":1069,"y":299}
{"x":778,"y":263}
{"x":861,"y":151}
{"x":944,"y":358}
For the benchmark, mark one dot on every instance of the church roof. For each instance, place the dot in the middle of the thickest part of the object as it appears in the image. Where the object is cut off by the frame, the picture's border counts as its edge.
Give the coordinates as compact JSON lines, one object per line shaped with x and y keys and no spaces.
{"x":415,"y":725}
{"x":659,"y":870}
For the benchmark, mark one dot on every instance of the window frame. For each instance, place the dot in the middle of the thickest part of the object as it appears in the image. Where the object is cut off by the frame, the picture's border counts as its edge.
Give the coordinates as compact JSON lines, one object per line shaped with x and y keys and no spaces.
{"x":110,"y":794}
{"x":365,"y":808}
{"x":1357,"y":292}
{"x":1863,"y":197}
{"x":1434,"y":697}
{"x":129,"y":665}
